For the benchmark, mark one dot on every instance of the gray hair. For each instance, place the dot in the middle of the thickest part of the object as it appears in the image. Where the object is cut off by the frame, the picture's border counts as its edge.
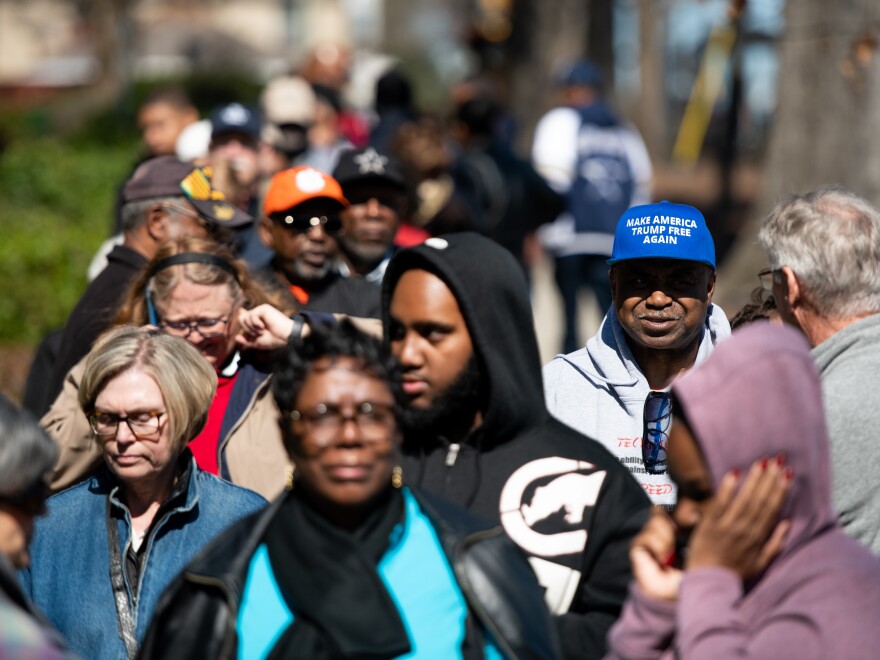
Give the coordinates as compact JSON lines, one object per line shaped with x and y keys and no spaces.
{"x":830,"y":238}
{"x":133,"y":213}
{"x":186,"y":379}
{"x":27,"y":453}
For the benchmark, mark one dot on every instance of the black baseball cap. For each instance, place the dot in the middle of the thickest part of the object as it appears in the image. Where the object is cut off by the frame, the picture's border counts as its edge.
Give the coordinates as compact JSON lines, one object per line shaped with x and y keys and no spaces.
{"x":368,"y":165}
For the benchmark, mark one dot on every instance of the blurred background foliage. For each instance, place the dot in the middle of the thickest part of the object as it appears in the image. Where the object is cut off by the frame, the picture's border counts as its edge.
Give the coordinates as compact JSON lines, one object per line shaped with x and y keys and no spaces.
{"x":58,"y":196}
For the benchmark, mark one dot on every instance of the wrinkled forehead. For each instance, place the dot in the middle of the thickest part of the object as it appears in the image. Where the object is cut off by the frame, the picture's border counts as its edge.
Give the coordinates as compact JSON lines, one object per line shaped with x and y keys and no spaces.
{"x":423,"y":295}
{"x":186,"y":296}
{"x":662,"y":267}
{"x":343,"y":377}
{"x":315,"y":206}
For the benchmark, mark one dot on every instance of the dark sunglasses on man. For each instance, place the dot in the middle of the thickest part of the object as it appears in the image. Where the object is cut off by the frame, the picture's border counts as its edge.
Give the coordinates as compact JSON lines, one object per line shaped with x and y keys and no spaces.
{"x":655,"y":431}
{"x":393,"y":200}
{"x":303,"y":223}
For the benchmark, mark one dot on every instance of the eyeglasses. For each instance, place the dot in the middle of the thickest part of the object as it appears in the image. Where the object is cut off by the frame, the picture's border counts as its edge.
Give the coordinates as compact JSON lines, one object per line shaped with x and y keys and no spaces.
{"x":301,"y":224}
{"x":324,"y":423}
{"x":141,"y":424}
{"x":655,"y":431}
{"x":31,"y":500}
{"x":766,"y":277}
{"x":207,"y":328}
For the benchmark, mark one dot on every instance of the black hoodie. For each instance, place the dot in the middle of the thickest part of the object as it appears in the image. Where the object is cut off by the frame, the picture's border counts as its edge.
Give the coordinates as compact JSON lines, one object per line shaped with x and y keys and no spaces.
{"x":562,"y":497}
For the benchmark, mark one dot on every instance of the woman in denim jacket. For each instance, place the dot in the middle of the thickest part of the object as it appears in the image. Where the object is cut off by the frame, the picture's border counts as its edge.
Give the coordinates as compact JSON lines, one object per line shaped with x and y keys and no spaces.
{"x":110,"y":545}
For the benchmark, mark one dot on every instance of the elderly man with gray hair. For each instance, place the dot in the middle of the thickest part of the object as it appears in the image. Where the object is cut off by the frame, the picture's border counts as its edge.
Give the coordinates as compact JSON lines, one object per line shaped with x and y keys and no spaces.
{"x":27,"y":454}
{"x":824,"y":255}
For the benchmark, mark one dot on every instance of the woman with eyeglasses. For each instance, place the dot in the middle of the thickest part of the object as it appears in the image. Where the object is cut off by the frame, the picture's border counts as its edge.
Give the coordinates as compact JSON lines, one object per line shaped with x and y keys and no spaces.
{"x":351,"y":563}
{"x":109,"y":546}
{"x":196,"y":290}
{"x":753,"y":561}
{"x":26,"y":456}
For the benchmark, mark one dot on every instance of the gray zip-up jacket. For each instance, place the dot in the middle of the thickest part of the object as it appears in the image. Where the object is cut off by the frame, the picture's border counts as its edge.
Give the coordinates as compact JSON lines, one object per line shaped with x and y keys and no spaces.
{"x":600,"y":391}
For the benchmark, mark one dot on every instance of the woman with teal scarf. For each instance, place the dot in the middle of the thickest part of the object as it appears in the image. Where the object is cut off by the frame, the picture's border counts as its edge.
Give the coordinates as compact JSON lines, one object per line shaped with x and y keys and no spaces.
{"x":349,"y":562}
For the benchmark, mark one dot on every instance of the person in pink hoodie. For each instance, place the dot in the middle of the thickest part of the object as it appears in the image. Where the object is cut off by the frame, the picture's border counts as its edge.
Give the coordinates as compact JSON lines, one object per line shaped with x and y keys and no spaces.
{"x":753,"y":562}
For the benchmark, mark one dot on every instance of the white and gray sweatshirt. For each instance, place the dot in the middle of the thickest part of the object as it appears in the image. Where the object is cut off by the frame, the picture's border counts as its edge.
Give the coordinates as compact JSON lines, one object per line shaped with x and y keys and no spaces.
{"x":600,"y":391}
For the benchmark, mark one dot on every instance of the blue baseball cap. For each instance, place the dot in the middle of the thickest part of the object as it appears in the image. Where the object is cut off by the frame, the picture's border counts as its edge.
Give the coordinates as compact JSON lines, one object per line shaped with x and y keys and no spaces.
{"x":235,"y":118}
{"x":663,"y":231}
{"x":580,"y":73}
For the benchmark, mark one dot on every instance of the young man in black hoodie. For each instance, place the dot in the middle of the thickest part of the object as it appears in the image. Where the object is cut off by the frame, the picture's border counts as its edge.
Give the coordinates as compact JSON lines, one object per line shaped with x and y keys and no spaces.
{"x":456,"y":312}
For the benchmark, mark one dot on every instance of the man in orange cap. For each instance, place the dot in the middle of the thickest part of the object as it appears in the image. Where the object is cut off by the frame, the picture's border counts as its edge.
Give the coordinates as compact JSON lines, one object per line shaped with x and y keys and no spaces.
{"x":301,"y":220}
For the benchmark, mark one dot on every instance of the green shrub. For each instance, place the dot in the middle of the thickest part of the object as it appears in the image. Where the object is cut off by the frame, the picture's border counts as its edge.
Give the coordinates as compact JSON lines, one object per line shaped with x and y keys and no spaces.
{"x":56,"y":207}
{"x":57,"y":197}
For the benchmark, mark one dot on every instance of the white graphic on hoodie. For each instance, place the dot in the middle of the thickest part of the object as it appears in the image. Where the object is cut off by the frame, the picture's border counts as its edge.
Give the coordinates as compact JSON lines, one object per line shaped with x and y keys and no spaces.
{"x":571,"y":492}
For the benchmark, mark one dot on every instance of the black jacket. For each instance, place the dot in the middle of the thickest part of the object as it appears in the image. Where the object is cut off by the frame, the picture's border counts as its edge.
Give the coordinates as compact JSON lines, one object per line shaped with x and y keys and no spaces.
{"x":196,"y":617}
{"x":509,"y":196}
{"x":562,"y":497}
{"x":353,"y":296}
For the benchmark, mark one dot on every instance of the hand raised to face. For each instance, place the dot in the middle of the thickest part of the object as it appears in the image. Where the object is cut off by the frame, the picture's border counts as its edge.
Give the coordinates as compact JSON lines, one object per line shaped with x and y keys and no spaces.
{"x":653,"y":557}
{"x":739,"y":529}
{"x":264,"y":328}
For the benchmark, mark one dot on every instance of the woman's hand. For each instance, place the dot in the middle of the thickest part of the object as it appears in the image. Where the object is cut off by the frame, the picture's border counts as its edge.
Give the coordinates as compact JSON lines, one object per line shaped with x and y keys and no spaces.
{"x":739,"y":529}
{"x":652,"y":555}
{"x":263,"y":328}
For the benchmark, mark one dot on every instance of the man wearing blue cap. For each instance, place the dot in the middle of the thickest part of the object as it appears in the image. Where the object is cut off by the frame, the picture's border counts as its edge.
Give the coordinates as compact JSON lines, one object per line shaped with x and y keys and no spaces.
{"x":662,"y":322}
{"x":601,"y":166}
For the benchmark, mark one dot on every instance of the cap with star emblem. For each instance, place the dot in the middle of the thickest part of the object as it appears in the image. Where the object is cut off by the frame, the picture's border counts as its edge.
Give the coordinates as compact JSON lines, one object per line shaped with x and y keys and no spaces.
{"x":364,"y":165}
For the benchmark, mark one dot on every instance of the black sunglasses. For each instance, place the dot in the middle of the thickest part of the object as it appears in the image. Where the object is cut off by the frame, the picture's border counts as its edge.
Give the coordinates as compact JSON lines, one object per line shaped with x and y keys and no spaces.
{"x":655,"y":431}
{"x":394,"y":201}
{"x":301,"y":224}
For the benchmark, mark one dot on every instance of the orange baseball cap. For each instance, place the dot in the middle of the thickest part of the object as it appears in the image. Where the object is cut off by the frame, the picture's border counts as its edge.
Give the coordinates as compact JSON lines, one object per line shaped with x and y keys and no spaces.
{"x":292,"y":187}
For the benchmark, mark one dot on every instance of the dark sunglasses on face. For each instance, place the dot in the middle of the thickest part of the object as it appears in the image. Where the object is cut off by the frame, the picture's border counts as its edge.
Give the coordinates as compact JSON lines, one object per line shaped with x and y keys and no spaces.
{"x":301,"y":224}
{"x":655,"y":431}
{"x":393,"y":202}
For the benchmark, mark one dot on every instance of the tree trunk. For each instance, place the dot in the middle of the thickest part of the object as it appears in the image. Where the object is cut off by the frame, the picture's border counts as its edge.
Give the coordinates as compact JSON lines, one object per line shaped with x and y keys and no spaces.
{"x":110,"y":23}
{"x":826,"y":123}
{"x":546,"y":34}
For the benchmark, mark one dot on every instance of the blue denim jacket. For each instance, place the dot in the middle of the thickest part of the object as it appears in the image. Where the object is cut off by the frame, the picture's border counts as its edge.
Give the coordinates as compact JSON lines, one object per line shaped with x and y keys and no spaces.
{"x":69,"y":576}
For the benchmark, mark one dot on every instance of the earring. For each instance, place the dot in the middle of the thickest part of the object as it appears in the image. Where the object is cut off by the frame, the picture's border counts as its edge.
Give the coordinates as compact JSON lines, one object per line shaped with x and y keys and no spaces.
{"x":289,"y":482}
{"x":397,"y":476}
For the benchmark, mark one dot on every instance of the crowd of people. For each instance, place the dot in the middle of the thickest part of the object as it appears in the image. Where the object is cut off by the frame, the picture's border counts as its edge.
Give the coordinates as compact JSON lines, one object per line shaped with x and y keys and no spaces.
{"x":300,"y":410}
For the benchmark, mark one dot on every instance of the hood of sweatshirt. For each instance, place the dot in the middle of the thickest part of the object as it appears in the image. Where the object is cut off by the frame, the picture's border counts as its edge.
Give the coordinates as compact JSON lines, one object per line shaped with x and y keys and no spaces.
{"x":757,"y":395}
{"x":608,"y":363}
{"x":493,"y":297}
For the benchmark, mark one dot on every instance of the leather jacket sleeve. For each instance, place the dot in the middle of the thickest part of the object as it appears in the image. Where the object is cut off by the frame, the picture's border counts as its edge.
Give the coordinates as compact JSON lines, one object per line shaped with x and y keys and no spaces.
{"x":504,"y":593}
{"x":496,"y":579}
{"x":193,"y":620}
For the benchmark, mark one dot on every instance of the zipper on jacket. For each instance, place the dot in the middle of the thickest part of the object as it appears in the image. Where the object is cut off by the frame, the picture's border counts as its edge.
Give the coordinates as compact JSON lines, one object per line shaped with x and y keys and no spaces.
{"x":452,"y":454}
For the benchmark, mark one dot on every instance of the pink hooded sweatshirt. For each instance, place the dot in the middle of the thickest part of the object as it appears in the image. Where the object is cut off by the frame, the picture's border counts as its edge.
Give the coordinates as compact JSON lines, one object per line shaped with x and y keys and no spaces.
{"x":758,"y":395}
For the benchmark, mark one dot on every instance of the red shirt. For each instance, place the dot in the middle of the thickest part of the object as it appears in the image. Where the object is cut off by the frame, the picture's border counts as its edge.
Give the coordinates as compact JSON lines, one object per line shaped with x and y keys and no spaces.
{"x":204,"y":445}
{"x":409,"y":235}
